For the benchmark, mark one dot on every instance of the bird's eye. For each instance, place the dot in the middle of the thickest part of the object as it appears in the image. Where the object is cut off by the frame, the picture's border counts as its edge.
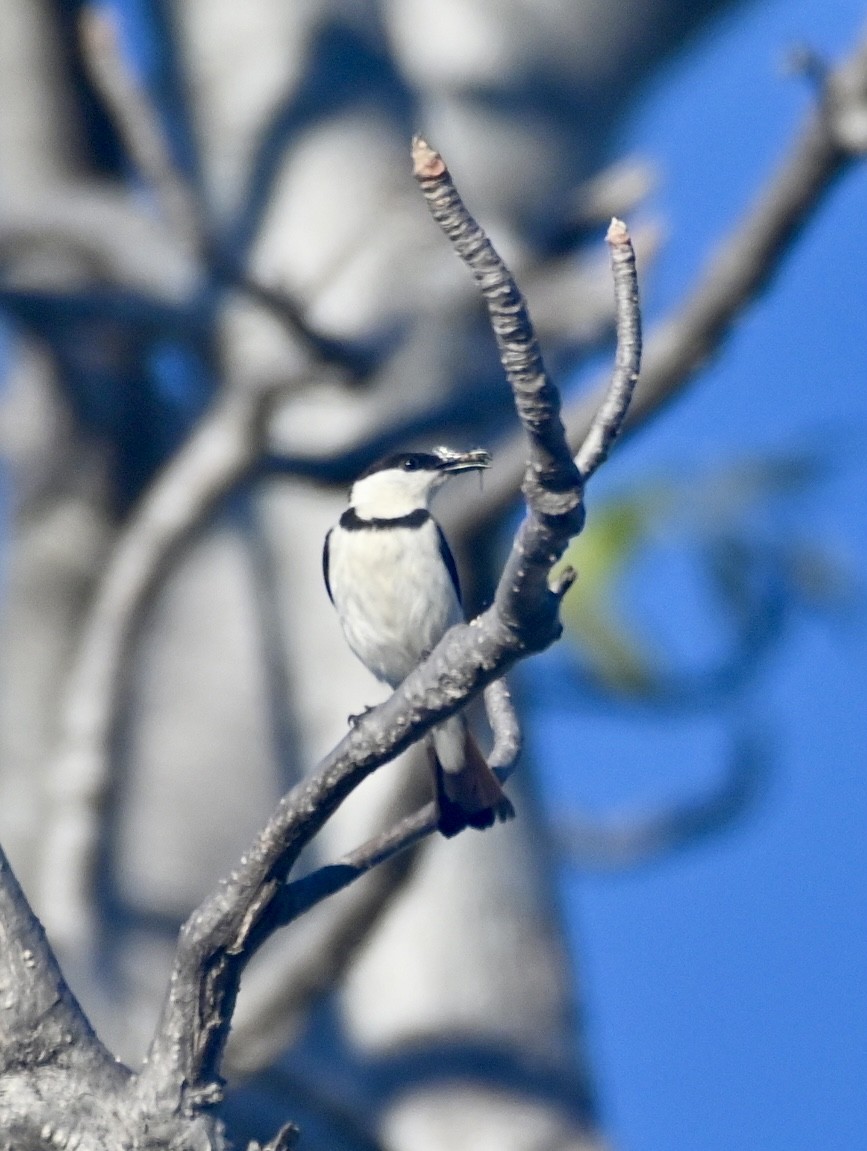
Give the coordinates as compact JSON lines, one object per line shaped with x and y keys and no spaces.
{"x":410,"y":465}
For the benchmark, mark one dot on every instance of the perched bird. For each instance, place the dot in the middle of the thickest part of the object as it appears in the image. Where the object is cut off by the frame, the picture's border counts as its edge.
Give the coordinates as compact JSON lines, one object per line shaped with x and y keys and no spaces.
{"x":393,"y":580}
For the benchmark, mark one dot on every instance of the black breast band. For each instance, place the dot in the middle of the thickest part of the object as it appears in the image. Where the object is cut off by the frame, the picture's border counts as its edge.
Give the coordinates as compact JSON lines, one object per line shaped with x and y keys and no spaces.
{"x":351,"y":521}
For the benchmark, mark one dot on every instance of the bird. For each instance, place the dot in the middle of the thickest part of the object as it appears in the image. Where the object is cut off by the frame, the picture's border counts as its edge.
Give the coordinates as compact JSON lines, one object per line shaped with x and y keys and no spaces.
{"x":392,"y":578}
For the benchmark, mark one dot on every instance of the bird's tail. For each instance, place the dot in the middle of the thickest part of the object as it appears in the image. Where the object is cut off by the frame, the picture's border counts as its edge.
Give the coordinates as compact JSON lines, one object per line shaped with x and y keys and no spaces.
{"x":468,"y":794}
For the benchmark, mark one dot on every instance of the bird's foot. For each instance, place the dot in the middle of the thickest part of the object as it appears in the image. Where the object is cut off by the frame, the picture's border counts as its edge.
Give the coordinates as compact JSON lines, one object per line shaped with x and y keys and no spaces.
{"x":352,"y":720}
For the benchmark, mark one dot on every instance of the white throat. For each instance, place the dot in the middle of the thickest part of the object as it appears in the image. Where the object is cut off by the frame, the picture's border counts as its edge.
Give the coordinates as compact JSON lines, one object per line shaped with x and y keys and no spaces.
{"x":388,"y":495}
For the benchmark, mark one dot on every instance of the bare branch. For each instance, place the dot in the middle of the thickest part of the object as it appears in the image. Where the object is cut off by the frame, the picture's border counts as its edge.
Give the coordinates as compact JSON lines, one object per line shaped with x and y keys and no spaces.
{"x":742,"y":265}
{"x":507,"y":730}
{"x":608,"y":420}
{"x":221,"y":936}
{"x":300,"y":896}
{"x":550,"y":470}
{"x":278,"y":997}
{"x":42,"y":1021}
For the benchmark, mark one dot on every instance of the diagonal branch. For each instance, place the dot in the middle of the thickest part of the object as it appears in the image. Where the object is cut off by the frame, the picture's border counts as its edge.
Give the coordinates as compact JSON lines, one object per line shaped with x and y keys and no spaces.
{"x":280,"y":996}
{"x":225,"y":931}
{"x":551,"y":482}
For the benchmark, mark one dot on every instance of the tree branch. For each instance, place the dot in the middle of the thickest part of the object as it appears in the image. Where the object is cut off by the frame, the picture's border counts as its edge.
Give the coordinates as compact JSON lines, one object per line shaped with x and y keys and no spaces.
{"x":832,"y":141}
{"x":220,"y":937}
{"x":608,"y":419}
{"x":503,"y":720}
{"x":279,"y":996}
{"x":42,"y":1021}
{"x":51,"y":1062}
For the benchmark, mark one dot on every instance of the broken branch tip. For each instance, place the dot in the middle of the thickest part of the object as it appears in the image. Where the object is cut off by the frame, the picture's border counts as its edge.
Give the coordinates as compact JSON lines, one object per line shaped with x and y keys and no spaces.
{"x":427,"y":164}
{"x":617,"y":233}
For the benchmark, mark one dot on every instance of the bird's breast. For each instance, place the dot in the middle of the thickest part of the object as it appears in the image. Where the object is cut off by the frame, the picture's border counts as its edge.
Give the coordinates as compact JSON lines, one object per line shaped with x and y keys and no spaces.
{"x":393,"y":595}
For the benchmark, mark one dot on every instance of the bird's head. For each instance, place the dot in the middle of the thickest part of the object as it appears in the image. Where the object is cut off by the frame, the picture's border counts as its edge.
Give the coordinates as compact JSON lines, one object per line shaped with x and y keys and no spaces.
{"x":404,"y":482}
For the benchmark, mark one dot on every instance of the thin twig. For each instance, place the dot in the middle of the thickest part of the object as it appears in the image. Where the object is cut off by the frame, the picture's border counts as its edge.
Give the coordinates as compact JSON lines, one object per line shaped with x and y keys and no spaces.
{"x":503,"y":720}
{"x":299,"y":897}
{"x":278,"y":998}
{"x":831,"y":143}
{"x":605,"y":426}
{"x":226,"y":930}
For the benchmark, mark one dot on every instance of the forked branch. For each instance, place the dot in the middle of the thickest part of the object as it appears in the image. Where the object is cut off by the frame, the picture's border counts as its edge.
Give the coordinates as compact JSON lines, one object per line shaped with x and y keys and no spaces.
{"x":226,"y":930}
{"x":171,"y":1099}
{"x":833,"y":140}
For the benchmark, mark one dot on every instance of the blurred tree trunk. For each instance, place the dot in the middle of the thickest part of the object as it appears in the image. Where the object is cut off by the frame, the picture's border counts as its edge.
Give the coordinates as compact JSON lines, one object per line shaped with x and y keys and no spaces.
{"x":456,"y":1023}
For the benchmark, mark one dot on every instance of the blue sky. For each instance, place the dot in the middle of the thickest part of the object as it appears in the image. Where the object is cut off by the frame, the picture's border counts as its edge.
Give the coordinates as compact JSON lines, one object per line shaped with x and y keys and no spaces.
{"x":724,"y":986}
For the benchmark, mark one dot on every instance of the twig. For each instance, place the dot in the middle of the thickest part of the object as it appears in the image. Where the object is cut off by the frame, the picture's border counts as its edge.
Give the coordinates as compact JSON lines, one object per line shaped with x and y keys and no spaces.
{"x":285,"y":994}
{"x":503,"y":720}
{"x":226,"y":930}
{"x":296,"y":898}
{"x":606,"y":423}
{"x":279,"y":997}
{"x":742,"y":265}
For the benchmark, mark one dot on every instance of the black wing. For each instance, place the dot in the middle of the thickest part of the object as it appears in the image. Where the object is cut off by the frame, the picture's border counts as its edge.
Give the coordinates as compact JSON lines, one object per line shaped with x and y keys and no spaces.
{"x":449,"y":561}
{"x":325,"y":566}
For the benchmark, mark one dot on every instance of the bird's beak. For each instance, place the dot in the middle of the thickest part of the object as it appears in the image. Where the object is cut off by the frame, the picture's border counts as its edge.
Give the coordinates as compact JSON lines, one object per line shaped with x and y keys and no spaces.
{"x":475,"y":460}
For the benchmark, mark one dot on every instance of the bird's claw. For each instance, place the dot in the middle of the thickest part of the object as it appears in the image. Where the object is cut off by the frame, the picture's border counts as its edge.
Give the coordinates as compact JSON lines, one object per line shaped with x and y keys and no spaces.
{"x":354,"y":719}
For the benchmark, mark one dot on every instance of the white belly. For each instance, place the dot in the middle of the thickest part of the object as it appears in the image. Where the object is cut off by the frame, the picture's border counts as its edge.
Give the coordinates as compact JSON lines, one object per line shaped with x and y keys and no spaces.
{"x":393,"y":611}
